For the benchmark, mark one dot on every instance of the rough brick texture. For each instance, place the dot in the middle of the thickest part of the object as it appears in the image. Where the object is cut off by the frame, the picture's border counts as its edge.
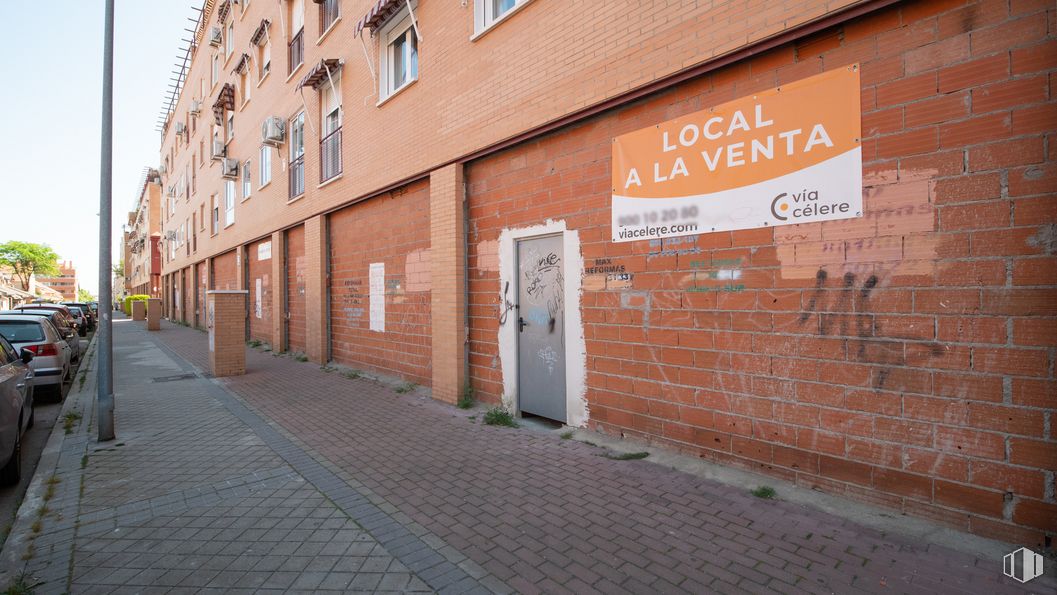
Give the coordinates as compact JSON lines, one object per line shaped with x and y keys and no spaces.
{"x":446,"y":266}
{"x":227,"y":355}
{"x":139,"y":310}
{"x":154,"y":314}
{"x":905,"y":358}
{"x":224,"y":275}
{"x":394,"y":230}
{"x":295,"y":289}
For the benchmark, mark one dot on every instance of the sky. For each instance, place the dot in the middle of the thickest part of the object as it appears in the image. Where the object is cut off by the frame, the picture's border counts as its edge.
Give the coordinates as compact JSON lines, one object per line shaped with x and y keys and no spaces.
{"x":52,"y":100}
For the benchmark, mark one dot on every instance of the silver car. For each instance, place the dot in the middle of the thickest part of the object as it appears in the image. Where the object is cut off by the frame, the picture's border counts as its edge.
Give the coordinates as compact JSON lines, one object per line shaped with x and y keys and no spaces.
{"x":51,"y":364}
{"x":16,"y":408}
{"x":60,"y":321}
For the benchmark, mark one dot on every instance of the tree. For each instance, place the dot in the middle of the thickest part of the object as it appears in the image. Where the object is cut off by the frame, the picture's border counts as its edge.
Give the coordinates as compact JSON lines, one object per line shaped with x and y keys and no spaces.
{"x":28,"y":259}
{"x":119,"y":268}
{"x":84,"y":296}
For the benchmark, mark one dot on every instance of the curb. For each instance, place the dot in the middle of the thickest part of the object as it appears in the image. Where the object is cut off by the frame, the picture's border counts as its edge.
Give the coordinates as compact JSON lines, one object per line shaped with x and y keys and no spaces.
{"x":11,"y":562}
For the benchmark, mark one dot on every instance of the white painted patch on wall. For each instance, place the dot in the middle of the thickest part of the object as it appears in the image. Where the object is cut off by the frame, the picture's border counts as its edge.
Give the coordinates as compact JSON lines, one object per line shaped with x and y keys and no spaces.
{"x":575,"y":346}
{"x":376,"y":282}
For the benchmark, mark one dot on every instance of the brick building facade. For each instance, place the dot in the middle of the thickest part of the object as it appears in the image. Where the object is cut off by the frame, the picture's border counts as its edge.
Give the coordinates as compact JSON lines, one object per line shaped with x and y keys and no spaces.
{"x":143,"y":264}
{"x":904,"y":356}
{"x":65,"y":282}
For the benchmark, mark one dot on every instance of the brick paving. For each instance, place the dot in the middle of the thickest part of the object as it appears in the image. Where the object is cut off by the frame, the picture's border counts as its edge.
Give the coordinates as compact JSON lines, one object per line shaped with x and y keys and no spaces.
{"x":525,"y":510}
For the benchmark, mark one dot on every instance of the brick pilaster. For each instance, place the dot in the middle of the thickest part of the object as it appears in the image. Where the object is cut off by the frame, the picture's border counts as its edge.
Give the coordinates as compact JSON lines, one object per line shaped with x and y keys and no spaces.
{"x":448,"y":295}
{"x":278,"y":341}
{"x":316,"y":288}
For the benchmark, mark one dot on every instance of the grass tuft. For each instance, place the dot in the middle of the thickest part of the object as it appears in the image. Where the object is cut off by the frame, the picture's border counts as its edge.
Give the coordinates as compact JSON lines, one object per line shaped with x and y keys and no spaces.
{"x":765,"y":492}
{"x":466,"y":399}
{"x":567,"y":435}
{"x":497,"y":416}
{"x":628,"y":456}
{"x":69,"y":420}
{"x":405,"y":388}
{"x":352,"y":374}
{"x":20,"y":586}
{"x":254,"y":343}
{"x":301,"y":357}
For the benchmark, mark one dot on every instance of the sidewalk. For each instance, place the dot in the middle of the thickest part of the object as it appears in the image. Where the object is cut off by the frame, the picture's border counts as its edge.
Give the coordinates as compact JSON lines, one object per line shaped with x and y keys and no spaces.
{"x":293,"y":478}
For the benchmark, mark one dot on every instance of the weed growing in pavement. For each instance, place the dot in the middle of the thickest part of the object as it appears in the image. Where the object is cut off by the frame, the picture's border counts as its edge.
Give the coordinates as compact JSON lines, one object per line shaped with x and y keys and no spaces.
{"x":301,"y":357}
{"x":31,"y":550}
{"x":628,"y":456}
{"x":20,"y":586}
{"x":466,"y":399}
{"x":84,"y":461}
{"x":473,"y":419}
{"x":765,"y":492}
{"x":567,"y":435}
{"x":352,"y":374}
{"x":68,"y":420}
{"x":36,"y":526}
{"x":405,"y":388}
{"x":497,"y":416}
{"x":254,"y":343}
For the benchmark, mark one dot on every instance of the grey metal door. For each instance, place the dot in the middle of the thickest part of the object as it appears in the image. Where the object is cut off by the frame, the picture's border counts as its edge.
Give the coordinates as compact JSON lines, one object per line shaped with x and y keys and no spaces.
{"x":541,"y":328}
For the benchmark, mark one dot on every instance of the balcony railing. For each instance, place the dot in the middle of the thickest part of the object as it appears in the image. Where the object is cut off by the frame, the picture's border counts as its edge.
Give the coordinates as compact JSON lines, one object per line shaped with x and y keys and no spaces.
{"x":297,"y":177}
{"x":330,"y":156}
{"x":296,"y":51}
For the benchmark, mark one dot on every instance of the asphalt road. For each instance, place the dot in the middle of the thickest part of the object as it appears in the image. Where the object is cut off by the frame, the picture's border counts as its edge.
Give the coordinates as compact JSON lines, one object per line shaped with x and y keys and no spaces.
{"x":46,"y":412}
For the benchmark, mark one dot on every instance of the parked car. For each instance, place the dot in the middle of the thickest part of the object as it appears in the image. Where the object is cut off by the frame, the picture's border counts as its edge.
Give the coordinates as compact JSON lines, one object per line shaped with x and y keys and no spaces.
{"x":88,"y":313}
{"x":60,"y":321}
{"x":74,"y":321}
{"x":16,"y":408}
{"x":81,"y":319}
{"x":52,"y":361}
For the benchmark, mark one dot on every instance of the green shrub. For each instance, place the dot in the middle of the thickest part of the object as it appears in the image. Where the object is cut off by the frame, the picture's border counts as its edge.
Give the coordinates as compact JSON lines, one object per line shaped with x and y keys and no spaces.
{"x":134,"y":298}
{"x":497,"y":416}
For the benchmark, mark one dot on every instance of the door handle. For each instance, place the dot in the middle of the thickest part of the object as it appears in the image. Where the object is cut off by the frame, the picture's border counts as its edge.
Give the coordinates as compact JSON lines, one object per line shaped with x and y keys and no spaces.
{"x":20,"y":385}
{"x":521,"y":324}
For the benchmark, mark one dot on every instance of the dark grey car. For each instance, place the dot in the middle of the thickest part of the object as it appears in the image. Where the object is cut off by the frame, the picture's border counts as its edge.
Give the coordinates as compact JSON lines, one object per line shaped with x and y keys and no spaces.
{"x":16,"y":409}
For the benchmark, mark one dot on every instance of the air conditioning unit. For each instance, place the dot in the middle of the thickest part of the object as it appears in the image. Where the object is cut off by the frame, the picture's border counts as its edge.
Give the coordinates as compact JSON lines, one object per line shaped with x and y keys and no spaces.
{"x":170,"y":235}
{"x":219,"y":150}
{"x":181,"y":128}
{"x":229,"y":168}
{"x":196,"y":107}
{"x":272,"y":131}
{"x":216,"y":36}
{"x":161,"y":169}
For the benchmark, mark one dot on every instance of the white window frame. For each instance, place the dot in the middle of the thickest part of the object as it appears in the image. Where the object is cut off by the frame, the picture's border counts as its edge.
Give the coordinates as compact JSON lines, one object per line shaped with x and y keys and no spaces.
{"x":484,"y":16}
{"x":214,"y":214}
{"x":265,"y":166}
{"x":229,"y":125}
{"x":247,"y":179}
{"x":229,"y":38}
{"x":401,"y":25}
{"x":229,"y":203}
{"x":214,"y":73}
{"x":297,"y":123}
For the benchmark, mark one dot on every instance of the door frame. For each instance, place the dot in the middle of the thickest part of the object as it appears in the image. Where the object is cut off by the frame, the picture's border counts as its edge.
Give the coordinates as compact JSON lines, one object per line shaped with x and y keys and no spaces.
{"x":575,"y":346}
{"x":515,"y":314}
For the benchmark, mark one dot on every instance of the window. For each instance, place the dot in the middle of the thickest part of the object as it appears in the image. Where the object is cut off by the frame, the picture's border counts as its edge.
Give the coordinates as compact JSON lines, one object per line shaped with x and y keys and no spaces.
{"x":244,"y":84}
{"x":229,"y":39}
{"x":328,"y":13}
{"x":296,"y":50}
{"x":202,"y":216}
{"x":194,"y":175}
{"x":399,"y":58}
{"x":229,"y":202}
{"x":230,"y":126}
{"x":490,"y":12}
{"x":266,"y":166}
{"x":247,"y":187}
{"x":330,"y":143}
{"x":216,"y":213}
{"x":264,"y":59}
{"x":297,"y":155}
{"x":214,"y":74}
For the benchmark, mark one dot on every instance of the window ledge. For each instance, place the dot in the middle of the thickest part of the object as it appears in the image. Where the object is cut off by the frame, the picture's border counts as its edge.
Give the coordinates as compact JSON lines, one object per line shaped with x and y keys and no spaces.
{"x":227,"y":225}
{"x":245,"y":198}
{"x":296,"y":70}
{"x":263,"y":78}
{"x":329,"y":29}
{"x":295,"y":199}
{"x":386,"y":99}
{"x":263,"y":186}
{"x":245,"y":103}
{"x":517,"y":8}
{"x":331,"y":180}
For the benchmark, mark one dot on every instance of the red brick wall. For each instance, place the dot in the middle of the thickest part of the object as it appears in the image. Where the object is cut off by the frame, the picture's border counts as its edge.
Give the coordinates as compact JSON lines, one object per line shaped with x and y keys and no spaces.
{"x":260,"y":328}
{"x":295,"y":289}
{"x":225,"y":271}
{"x":393,"y":229}
{"x":905,"y":358}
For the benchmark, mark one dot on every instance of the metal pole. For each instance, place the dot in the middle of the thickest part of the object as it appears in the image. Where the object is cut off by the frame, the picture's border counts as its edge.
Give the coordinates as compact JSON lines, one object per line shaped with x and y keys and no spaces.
{"x":105,"y":363}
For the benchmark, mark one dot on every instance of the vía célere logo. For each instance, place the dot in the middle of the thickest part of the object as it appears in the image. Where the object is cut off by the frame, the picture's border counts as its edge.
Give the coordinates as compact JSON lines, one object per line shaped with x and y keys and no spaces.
{"x":788,"y":155}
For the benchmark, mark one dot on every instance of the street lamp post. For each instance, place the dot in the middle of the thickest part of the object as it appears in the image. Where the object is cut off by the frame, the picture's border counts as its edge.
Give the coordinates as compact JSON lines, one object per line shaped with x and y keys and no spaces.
{"x":105,"y":370}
